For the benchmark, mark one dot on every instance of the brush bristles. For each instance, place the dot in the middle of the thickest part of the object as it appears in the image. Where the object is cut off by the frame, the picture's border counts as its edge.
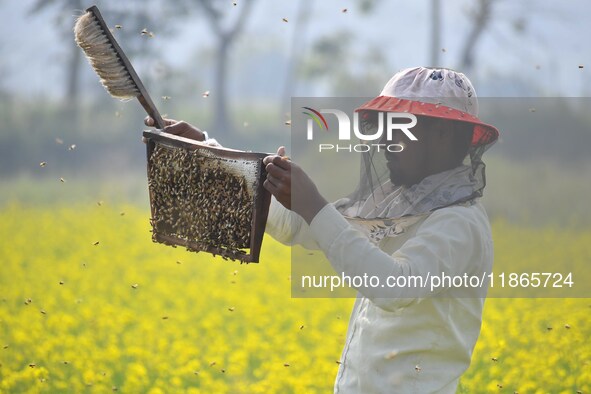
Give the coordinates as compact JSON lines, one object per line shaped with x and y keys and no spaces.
{"x":103,"y":58}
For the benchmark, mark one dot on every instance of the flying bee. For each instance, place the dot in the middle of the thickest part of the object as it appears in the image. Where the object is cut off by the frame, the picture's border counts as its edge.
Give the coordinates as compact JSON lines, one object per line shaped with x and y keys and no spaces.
{"x":62,"y":180}
{"x":61,"y":282}
{"x":43,"y":164}
{"x":211,"y":364}
{"x":391,"y":355}
{"x":144,"y":32}
{"x":72,"y":147}
{"x":494,"y":359}
{"x":134,"y":286}
{"x":286,"y":364}
{"x":205,"y":94}
{"x":567,"y":326}
{"x":418,"y":368}
{"x":43,"y":312}
{"x":284,"y":20}
{"x":118,"y":27}
{"x":96,"y":243}
{"x":165,"y":97}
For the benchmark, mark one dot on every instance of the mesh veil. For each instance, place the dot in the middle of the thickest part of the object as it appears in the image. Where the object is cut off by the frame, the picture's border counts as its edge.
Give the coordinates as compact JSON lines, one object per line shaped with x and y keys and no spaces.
{"x":375,"y":187}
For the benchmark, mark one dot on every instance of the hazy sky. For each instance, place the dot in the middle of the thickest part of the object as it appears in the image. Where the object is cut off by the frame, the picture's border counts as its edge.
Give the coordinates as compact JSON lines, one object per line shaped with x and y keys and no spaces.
{"x":555,"y":38}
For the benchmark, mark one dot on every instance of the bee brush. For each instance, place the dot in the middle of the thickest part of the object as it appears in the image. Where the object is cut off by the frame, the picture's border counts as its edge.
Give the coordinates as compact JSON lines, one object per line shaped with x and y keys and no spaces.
{"x":110,"y":63}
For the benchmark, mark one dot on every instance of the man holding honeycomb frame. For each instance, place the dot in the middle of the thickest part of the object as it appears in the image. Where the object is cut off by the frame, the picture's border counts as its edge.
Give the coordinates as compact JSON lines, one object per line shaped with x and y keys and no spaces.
{"x":403,"y":339}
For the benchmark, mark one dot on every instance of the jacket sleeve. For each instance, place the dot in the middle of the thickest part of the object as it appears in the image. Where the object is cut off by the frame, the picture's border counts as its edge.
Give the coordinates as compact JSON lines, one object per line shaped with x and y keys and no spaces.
{"x":451,"y":241}
{"x":288,"y":227}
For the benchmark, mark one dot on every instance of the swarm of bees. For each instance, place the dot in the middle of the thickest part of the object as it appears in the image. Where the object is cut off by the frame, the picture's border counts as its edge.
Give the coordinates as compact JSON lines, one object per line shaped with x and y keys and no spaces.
{"x":200,"y":200}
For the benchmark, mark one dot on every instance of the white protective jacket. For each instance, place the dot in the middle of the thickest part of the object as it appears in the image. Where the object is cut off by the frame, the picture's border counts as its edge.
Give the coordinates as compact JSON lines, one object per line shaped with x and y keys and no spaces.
{"x":400,"y":341}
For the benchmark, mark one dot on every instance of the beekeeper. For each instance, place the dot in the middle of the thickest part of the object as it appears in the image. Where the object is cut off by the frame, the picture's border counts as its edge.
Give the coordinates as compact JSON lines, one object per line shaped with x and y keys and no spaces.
{"x":430,"y":224}
{"x":415,"y":213}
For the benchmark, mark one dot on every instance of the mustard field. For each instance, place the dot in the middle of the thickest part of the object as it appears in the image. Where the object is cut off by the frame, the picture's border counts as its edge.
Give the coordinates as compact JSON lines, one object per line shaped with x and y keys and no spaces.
{"x":88,"y":304}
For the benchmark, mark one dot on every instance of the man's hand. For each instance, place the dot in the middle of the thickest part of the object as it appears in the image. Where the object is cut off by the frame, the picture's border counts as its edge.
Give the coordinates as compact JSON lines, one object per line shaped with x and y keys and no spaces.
{"x":182,"y":129}
{"x":283,"y":177}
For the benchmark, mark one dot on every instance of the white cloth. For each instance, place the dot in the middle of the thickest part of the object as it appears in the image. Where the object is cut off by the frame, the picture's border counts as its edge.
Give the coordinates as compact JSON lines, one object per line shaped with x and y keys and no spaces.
{"x":435,"y":191}
{"x":398,"y":341}
{"x":434,"y":85}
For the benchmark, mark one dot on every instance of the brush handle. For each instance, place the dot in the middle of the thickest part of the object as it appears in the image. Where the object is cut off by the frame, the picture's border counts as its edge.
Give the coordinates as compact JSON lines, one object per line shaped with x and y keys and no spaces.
{"x":144,"y":97}
{"x":150,"y":108}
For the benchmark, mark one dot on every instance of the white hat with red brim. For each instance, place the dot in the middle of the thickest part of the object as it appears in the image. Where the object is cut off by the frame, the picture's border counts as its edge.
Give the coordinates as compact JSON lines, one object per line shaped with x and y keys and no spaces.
{"x":434,"y":92}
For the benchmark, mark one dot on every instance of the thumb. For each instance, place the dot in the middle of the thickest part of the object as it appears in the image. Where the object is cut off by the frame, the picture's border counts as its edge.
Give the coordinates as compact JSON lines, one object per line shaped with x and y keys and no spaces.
{"x":281,"y":151}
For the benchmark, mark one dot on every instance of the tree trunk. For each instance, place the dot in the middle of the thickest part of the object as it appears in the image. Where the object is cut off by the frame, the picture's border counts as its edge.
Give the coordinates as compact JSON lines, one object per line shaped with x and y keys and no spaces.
{"x":435,"y":32}
{"x":73,"y":76}
{"x":479,"y":24}
{"x":221,"y":124}
{"x":296,"y":51}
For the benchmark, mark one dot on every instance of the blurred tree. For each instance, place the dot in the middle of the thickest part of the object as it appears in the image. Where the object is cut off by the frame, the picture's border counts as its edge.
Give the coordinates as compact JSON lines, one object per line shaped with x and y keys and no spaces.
{"x":3,"y":73}
{"x":131,"y":16}
{"x":298,"y":41}
{"x":226,"y":31}
{"x":329,"y":60}
{"x":367,"y":6}
{"x":480,"y":18}
{"x":327,"y":52}
{"x":345,"y":78}
{"x":75,"y":55}
{"x":435,"y":32}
